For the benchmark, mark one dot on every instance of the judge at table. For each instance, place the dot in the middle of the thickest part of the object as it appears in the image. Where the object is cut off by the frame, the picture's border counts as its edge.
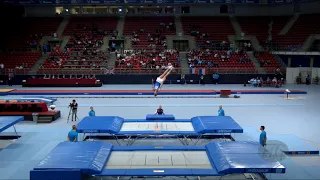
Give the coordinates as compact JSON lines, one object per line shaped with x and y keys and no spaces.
{"x":159,"y":111}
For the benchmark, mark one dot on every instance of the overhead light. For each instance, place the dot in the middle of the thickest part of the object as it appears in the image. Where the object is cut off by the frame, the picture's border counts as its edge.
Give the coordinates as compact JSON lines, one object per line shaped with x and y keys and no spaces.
{"x":120,"y":10}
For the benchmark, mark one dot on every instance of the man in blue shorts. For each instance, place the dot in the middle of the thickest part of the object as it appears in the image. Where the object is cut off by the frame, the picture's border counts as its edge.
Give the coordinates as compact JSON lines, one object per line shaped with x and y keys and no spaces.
{"x":157,"y":85}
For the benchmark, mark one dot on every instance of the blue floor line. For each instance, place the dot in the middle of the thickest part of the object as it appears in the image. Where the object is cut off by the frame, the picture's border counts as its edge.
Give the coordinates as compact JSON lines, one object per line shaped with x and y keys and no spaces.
{"x":184,"y":105}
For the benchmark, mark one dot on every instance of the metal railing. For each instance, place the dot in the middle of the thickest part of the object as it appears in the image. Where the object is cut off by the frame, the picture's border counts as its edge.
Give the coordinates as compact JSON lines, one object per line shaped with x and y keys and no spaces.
{"x":121,"y":71}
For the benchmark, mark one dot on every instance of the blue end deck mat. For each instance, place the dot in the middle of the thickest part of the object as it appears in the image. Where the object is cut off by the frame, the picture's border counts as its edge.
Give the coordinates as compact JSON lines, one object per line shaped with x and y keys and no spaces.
{"x":8,"y":121}
{"x":88,"y":157}
{"x":241,"y":157}
{"x":100,"y":124}
{"x":296,"y":146}
{"x":215,"y":124}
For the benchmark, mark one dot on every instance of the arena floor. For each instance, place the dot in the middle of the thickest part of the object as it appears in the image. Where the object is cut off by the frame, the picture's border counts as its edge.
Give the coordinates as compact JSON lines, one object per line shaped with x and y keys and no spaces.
{"x":298,"y":115}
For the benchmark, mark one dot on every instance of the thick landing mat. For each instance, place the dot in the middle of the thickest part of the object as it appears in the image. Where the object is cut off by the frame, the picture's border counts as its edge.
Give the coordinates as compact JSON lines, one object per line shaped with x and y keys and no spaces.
{"x":145,"y":92}
{"x":296,"y":146}
{"x":289,"y":143}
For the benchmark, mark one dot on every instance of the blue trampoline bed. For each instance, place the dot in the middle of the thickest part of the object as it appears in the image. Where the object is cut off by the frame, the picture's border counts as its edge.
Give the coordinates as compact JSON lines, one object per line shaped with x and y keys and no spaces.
{"x":156,"y":126}
{"x":74,"y":160}
{"x":8,"y":121}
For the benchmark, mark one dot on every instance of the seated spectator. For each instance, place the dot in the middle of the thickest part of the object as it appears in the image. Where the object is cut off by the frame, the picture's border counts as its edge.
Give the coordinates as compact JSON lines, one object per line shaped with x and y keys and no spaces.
{"x":268,"y":81}
{"x":159,"y":111}
{"x":274,"y":80}
{"x":258,"y":82}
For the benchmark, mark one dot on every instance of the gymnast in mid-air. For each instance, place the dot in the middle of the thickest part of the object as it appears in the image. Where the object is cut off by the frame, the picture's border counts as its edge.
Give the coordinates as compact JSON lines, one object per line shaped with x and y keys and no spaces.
{"x":157,"y":85}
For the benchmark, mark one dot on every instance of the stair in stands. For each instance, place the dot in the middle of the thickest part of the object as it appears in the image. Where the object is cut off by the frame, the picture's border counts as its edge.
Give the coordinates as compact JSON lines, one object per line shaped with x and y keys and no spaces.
{"x":64,"y":42}
{"x":289,"y":24}
{"x":112,"y":61}
{"x":255,"y":63}
{"x":40,"y":61}
{"x":178,"y":24}
{"x":120,"y":25}
{"x":62,"y":26}
{"x":278,"y":58}
{"x":236,"y":26}
{"x":44,"y":119}
{"x":184,"y":63}
{"x":309,"y":42}
{"x":105,"y":45}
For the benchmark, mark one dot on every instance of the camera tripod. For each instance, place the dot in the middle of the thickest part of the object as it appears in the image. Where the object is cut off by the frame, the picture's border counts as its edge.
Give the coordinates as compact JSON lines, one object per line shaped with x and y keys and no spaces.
{"x":75,"y":116}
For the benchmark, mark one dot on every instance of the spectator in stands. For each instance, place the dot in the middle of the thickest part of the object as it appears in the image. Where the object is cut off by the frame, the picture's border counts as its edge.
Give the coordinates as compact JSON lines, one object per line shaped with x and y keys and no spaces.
{"x":1,"y":66}
{"x":258,"y":82}
{"x":202,"y":80}
{"x":268,"y":81}
{"x":159,"y":111}
{"x":113,"y":46}
{"x":263,"y":136}
{"x":73,"y":135}
{"x":220,"y":111}
{"x":307,"y":79}
{"x":92,"y":112}
{"x":261,"y":82}
{"x":216,"y":78}
{"x":274,"y":81}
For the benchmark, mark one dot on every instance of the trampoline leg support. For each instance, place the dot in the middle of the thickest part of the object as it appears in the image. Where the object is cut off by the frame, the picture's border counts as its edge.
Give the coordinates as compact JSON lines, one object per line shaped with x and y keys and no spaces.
{"x":15,"y":131}
{"x":116,"y":138}
{"x":198,"y":139}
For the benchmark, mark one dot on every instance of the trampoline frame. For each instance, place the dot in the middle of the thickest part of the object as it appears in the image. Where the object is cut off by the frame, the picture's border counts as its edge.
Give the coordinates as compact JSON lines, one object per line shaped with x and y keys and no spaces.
{"x":183,"y":138}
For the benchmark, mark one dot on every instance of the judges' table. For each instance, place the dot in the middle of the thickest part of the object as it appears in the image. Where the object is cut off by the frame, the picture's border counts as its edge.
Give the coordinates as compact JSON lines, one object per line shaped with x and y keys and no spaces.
{"x":62,"y":83}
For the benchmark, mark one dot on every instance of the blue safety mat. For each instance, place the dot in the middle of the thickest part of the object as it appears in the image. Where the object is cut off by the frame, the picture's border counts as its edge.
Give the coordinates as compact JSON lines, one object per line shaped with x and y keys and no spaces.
{"x":8,"y":121}
{"x":241,"y":157}
{"x":89,"y":157}
{"x":160,"y":117}
{"x":295,"y":144}
{"x":215,"y":124}
{"x":100,"y":124}
{"x":40,"y":98}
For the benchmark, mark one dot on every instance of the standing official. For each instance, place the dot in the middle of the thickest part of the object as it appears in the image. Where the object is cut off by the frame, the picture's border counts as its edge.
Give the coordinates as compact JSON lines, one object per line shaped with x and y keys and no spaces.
{"x":221,"y":111}
{"x":263,"y":136}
